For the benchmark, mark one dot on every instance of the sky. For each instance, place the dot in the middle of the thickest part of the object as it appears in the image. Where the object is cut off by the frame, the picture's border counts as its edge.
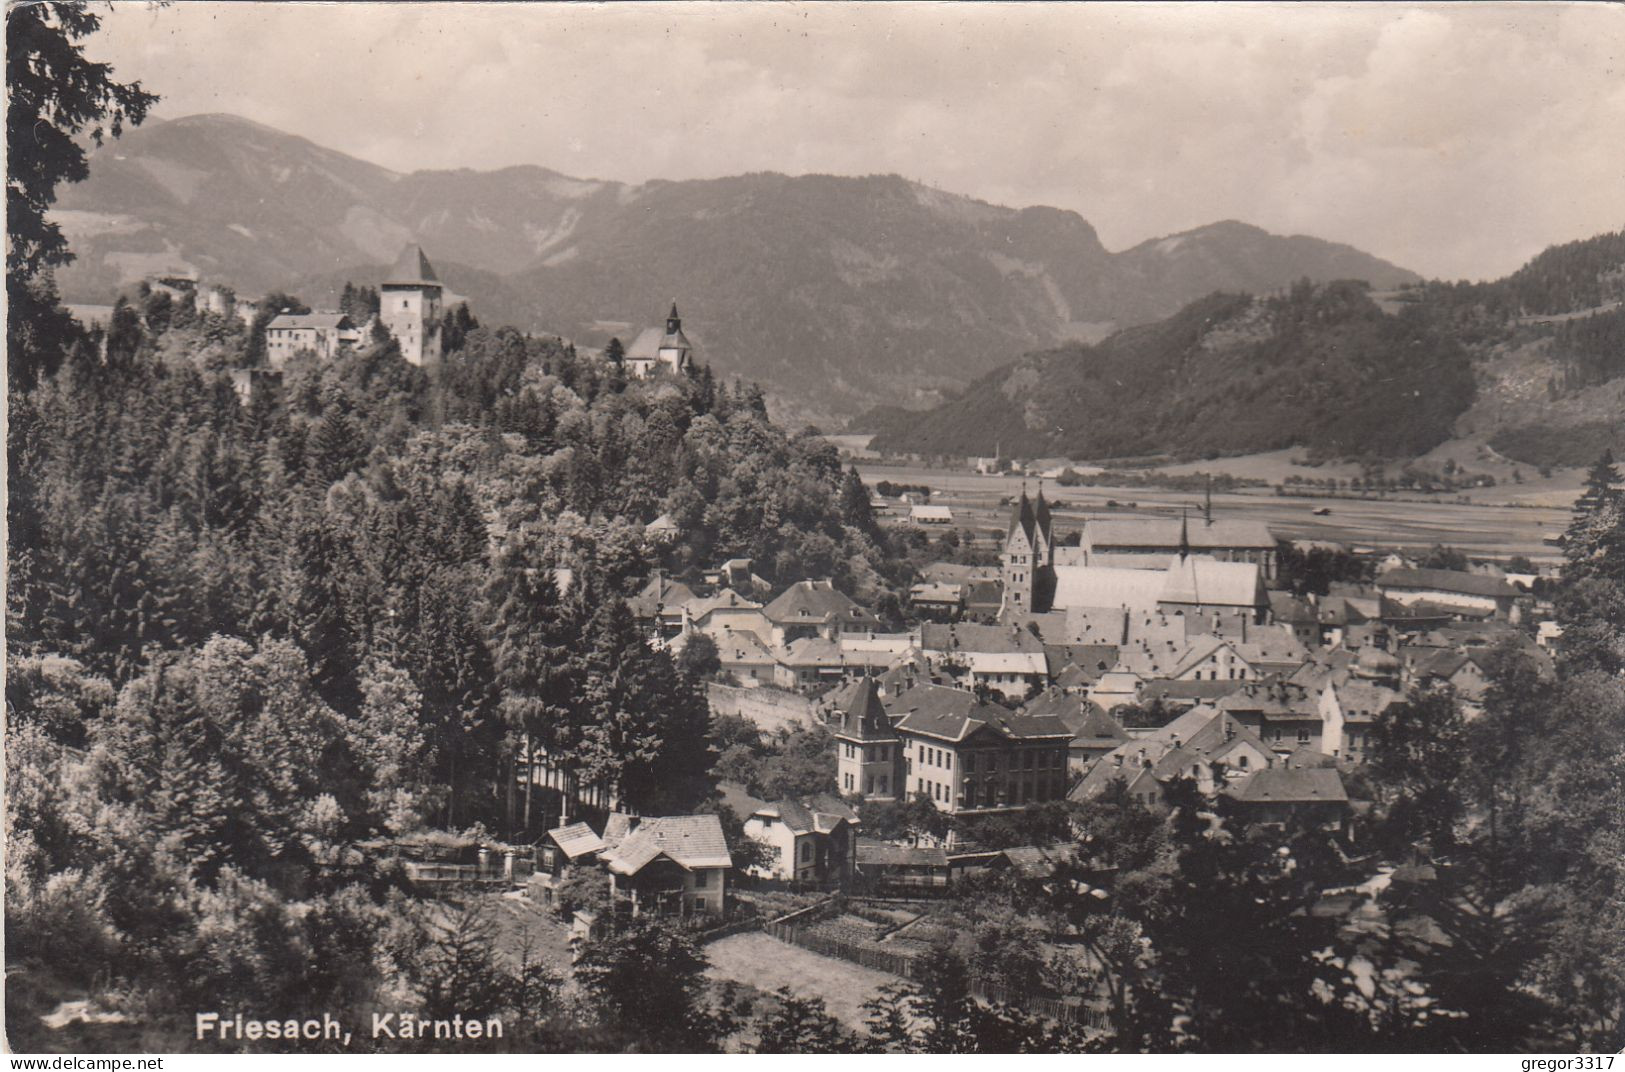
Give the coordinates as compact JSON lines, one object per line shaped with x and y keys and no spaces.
{"x":1457,"y":140}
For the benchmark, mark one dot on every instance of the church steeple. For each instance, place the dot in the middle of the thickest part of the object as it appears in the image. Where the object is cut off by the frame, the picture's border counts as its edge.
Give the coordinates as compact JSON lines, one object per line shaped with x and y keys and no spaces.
{"x":674,"y":323}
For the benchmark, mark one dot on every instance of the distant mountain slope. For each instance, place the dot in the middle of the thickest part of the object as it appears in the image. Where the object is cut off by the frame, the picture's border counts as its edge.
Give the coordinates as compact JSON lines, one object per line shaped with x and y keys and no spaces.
{"x":1320,"y":367}
{"x":836,"y":293}
{"x":1533,"y":365}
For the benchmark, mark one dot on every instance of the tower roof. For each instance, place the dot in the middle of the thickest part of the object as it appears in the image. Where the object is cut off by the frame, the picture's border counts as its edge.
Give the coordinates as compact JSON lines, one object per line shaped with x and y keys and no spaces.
{"x":674,"y":337}
{"x":1021,"y":516}
{"x":865,"y":716}
{"x":412,"y":269}
{"x":1041,"y":515}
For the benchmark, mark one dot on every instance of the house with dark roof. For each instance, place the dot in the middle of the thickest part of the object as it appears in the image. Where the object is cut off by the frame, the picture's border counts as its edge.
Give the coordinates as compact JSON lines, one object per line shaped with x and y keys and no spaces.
{"x":984,"y":597}
{"x":659,"y":606}
{"x":675,"y":865}
{"x":1464,"y":671}
{"x":885,"y":867}
{"x":1285,"y":795}
{"x":812,"y":840}
{"x":816,"y":608}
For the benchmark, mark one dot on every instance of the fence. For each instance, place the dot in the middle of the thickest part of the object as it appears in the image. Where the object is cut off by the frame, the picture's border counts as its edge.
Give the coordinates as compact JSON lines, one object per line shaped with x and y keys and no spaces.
{"x":866,"y":955}
{"x":794,"y":929}
{"x":1065,"y":1010}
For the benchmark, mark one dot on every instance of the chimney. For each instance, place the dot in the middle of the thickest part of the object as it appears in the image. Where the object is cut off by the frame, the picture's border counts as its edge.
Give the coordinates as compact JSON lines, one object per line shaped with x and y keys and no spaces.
{"x":1117,"y":759}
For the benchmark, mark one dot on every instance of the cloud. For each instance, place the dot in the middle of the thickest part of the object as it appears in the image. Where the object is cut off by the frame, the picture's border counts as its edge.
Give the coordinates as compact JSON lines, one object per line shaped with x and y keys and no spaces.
{"x":1454,"y":139}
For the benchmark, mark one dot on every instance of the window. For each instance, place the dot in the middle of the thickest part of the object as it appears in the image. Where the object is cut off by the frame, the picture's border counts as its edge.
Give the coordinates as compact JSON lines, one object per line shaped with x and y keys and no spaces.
{"x":1303,"y":736}
{"x":1241,"y":761}
{"x":806,"y":852}
{"x":870,"y":782}
{"x":883,"y":789}
{"x":702,"y":879}
{"x":970,"y":763}
{"x":948,"y":760}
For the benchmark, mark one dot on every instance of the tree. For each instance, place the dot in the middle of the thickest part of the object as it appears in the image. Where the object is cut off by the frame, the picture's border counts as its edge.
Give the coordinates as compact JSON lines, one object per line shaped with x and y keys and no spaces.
{"x":801,"y":1025}
{"x":1418,"y":754}
{"x":532,"y":632}
{"x":855,"y":508}
{"x":54,"y":97}
{"x":699,"y":658}
{"x":645,"y":982}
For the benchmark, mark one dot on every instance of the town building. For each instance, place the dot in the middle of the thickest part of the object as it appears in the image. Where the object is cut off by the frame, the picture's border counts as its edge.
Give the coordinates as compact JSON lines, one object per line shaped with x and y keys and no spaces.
{"x":321,"y":334}
{"x":1448,"y":592}
{"x":938,"y":602}
{"x":1029,"y":554}
{"x":1347,"y":712}
{"x":867,"y":749}
{"x":1002,"y":658}
{"x":1206,"y":745}
{"x":1148,"y":543}
{"x":1287,"y":797}
{"x":985,"y":759}
{"x":812,"y":840}
{"x":887,"y":868}
{"x":654,"y":348}
{"x":667,"y":866}
{"x":816,"y":608}
{"x":660,"y":606}
{"x":410,"y":300}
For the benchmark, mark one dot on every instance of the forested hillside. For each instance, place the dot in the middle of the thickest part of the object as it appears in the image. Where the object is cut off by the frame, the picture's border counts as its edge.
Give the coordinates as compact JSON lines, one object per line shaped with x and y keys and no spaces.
{"x":1319,"y":366}
{"x":1534,"y":364}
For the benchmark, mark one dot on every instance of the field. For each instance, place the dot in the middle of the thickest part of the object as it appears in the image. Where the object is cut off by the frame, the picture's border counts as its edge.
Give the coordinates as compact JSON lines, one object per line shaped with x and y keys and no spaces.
{"x":767,"y":964}
{"x":1485,"y":528}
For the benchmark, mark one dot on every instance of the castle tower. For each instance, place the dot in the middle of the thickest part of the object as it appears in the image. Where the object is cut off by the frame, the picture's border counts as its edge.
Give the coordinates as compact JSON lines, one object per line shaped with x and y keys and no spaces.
{"x":675,"y":351}
{"x":409,"y":302}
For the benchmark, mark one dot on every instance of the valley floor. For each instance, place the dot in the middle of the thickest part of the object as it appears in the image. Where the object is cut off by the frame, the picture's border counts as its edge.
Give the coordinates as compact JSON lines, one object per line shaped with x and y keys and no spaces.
{"x":1494,"y":529}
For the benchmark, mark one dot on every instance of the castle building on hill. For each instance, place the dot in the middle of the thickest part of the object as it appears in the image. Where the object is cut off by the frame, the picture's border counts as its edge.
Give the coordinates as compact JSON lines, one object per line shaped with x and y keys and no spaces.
{"x":1027,"y":564}
{"x":653,"y":349}
{"x":410,"y":305}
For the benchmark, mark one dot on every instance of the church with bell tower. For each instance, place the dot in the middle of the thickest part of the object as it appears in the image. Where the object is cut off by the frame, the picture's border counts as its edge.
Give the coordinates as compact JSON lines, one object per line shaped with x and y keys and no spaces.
{"x":1027,"y":565}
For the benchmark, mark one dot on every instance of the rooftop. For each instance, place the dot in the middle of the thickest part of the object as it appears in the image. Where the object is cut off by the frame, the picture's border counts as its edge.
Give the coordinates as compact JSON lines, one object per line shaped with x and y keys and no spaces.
{"x":1438,"y":580}
{"x":1163,"y":534}
{"x":412,"y":269}
{"x":691,"y":841}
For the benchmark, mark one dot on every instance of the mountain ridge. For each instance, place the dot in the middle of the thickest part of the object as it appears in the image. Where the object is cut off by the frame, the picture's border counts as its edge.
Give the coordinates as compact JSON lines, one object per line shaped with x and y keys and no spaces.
{"x":836,"y":292}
